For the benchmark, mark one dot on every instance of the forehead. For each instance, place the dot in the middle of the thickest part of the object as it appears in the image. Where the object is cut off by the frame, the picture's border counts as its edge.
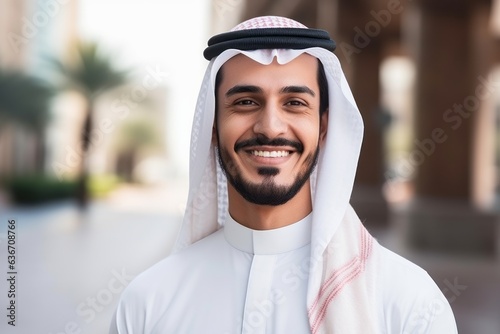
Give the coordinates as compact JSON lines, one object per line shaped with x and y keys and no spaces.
{"x":241,"y":68}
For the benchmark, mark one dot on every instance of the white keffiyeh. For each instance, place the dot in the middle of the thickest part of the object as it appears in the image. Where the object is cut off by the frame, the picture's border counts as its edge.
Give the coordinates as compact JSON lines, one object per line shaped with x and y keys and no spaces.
{"x":343,"y":255}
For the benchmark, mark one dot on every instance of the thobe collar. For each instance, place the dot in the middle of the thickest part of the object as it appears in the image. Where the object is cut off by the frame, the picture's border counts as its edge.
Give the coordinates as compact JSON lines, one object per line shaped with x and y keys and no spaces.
{"x":268,"y":242}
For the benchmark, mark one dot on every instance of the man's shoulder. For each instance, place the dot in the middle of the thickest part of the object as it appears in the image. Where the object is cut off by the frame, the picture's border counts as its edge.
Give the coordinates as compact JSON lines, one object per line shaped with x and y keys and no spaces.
{"x":169,"y":272}
{"x":402,"y":278}
{"x":399,"y":265}
{"x":166,"y":287}
{"x":411,"y":300}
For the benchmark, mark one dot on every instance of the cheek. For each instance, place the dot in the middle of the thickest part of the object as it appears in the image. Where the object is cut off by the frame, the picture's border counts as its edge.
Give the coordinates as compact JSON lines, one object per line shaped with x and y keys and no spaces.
{"x":231,"y":130}
{"x":227,"y":160}
{"x":308,"y":132}
{"x":223,"y":130}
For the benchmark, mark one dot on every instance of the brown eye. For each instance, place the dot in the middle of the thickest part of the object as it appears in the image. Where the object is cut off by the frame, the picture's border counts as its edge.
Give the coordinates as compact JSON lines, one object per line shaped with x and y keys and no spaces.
{"x":245,"y":102}
{"x":295,"y":103}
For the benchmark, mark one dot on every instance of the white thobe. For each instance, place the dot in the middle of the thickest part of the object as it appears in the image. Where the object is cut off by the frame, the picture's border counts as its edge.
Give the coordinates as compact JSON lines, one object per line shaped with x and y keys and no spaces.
{"x":240,"y":280}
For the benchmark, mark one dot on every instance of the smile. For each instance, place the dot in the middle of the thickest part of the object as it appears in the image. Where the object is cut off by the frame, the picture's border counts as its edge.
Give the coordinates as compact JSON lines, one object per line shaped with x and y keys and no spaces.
{"x":270,"y":154}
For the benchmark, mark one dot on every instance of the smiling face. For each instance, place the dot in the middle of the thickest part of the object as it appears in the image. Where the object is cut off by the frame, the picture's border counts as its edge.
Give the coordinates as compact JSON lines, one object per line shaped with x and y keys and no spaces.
{"x":268,"y":127}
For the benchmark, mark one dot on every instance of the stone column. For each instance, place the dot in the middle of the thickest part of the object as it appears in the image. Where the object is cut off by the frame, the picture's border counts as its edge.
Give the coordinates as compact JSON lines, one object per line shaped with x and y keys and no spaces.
{"x":367,"y":198}
{"x":448,"y":97}
{"x":359,"y":35}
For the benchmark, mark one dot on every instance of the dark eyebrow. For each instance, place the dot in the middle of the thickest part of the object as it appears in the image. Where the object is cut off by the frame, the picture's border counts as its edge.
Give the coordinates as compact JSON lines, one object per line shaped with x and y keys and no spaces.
{"x":297,"y":89}
{"x":243,"y":89}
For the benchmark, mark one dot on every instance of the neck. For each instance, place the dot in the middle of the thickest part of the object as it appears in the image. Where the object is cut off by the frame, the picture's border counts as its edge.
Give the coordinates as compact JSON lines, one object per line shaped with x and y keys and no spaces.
{"x":266,"y":217}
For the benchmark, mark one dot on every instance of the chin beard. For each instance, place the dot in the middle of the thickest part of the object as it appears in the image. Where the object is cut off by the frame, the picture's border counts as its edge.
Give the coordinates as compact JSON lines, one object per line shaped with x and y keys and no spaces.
{"x":267,"y":192}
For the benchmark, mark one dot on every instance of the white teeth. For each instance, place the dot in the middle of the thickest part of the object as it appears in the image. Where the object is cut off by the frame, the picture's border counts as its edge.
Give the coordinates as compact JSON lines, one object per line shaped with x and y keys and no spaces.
{"x":270,"y":154}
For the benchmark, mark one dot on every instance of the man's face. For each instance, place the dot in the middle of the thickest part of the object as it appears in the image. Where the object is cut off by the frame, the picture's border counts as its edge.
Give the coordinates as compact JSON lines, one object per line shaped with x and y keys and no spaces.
{"x":268,"y":126}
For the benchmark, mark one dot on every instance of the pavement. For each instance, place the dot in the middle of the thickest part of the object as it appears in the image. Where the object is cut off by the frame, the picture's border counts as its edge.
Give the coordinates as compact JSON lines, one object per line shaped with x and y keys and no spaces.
{"x":71,"y":267}
{"x":471,"y":284}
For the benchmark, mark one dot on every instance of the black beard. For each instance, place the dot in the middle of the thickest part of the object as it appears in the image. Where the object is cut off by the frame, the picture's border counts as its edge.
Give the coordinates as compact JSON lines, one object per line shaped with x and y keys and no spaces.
{"x":267,"y":192}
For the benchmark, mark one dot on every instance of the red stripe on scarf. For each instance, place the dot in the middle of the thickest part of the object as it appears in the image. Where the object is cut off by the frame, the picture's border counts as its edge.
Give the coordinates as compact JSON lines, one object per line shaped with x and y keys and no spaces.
{"x":339,"y":279}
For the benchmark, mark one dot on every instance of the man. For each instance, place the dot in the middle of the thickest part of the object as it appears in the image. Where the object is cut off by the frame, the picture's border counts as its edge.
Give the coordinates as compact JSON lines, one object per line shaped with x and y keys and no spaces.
{"x":269,"y":243}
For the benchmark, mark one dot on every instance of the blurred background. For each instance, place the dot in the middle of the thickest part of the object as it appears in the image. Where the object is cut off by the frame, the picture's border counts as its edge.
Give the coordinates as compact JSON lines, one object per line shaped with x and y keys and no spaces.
{"x":96,"y":103}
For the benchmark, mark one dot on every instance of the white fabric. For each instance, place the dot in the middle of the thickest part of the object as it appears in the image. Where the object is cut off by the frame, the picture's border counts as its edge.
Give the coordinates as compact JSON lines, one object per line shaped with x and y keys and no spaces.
{"x":238,"y":280}
{"x":343,"y":289}
{"x":268,"y":22}
{"x":332,"y":181}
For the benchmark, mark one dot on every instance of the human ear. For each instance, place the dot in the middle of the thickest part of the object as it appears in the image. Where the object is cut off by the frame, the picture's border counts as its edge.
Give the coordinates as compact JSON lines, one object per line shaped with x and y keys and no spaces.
{"x":323,"y":127}
{"x":214,"y":135}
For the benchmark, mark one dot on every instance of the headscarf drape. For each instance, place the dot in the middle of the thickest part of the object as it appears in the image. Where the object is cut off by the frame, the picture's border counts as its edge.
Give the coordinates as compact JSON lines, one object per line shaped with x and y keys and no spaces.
{"x":340,"y":288}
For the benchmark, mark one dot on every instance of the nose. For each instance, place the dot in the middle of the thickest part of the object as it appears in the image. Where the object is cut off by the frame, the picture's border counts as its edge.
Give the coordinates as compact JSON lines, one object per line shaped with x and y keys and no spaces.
{"x":270,"y":122}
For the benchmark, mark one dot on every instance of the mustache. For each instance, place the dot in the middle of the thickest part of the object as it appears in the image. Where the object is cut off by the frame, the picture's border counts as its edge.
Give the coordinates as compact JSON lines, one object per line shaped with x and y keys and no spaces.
{"x":262,"y":140}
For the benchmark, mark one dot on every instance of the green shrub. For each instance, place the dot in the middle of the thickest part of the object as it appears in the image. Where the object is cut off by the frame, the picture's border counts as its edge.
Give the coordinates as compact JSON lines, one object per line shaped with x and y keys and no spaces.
{"x":101,"y":185}
{"x":33,"y":189}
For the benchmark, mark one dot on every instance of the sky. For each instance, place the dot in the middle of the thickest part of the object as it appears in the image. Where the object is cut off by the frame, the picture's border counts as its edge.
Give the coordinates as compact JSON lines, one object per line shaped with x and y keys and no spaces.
{"x":166,"y":35}
{"x":147,"y":31}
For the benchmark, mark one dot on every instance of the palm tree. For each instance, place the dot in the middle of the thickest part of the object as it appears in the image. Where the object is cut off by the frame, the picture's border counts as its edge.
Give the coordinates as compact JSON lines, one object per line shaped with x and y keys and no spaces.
{"x":25,"y":100}
{"x":92,"y":74}
{"x":134,"y":136}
